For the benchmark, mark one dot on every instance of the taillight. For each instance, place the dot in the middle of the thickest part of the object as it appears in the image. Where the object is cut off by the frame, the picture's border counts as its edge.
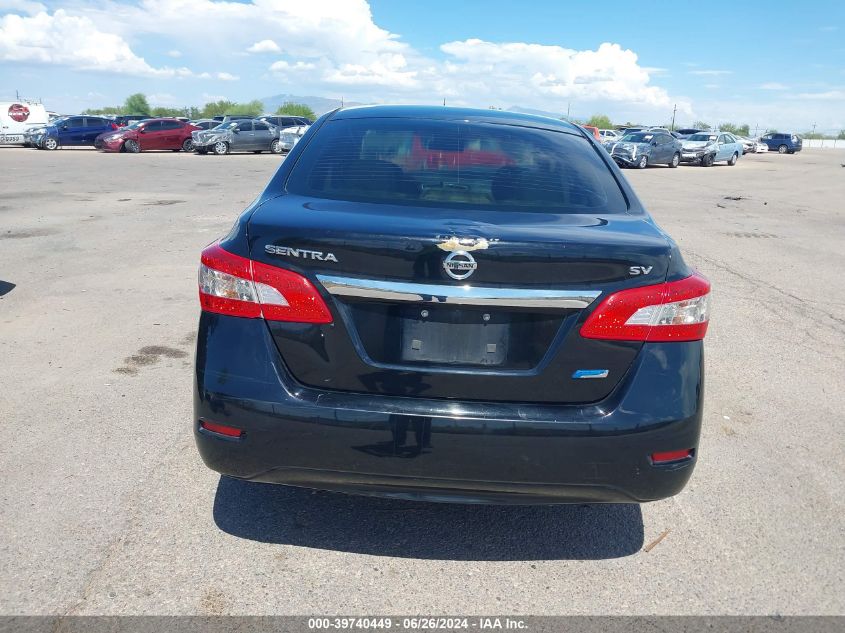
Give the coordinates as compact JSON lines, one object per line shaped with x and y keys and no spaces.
{"x":113,"y":125}
{"x":236,"y":286}
{"x":671,"y":311}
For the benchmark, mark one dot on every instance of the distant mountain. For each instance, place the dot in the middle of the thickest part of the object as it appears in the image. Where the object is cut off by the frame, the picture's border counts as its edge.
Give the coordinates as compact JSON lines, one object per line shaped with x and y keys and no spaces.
{"x":320,"y":105}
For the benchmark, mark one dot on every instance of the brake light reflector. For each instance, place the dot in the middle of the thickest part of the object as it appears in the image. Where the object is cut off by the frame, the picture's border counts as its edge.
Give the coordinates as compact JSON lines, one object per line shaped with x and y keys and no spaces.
{"x":221,"y":429}
{"x":671,"y":311}
{"x":237,"y":286}
{"x":671,"y":456}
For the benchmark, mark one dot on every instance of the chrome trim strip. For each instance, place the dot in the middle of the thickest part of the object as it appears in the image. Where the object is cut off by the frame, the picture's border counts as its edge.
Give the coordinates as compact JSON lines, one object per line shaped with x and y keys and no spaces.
{"x":457,"y":295}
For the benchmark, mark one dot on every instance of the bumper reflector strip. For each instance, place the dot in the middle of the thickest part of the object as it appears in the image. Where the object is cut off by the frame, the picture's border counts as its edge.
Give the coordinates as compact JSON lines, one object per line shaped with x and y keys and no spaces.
{"x":671,"y":456}
{"x":221,"y":429}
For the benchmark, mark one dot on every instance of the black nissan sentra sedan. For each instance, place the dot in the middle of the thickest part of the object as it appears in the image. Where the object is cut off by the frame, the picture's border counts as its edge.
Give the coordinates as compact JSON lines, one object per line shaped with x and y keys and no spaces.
{"x":451,"y":305}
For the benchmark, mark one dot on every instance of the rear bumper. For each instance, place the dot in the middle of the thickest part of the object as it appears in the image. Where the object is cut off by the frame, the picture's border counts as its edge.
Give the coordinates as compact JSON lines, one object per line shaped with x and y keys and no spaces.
{"x":109,"y":146}
{"x":444,"y":450}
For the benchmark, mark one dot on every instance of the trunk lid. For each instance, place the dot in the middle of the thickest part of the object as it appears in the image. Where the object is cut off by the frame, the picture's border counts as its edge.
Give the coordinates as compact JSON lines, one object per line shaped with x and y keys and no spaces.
{"x":404,"y":326}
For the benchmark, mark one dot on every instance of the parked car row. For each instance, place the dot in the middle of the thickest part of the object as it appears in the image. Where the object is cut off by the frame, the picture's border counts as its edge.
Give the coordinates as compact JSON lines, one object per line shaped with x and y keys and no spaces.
{"x":641,"y":147}
{"x":245,"y":135}
{"x":174,"y":134}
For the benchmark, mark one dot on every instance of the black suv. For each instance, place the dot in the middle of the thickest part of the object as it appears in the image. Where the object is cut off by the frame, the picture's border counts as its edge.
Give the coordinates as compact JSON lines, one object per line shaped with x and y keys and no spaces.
{"x":451,"y":304}
{"x":123,"y":120}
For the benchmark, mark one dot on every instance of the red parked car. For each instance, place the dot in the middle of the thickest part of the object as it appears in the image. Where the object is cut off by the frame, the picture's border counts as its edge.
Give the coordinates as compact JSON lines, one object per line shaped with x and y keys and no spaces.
{"x":452,"y":155}
{"x":594,"y":131}
{"x":150,"y":134}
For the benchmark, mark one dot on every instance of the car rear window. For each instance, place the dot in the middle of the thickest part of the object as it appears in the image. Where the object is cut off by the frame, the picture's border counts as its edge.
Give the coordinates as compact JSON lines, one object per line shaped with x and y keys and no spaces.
{"x":420,"y":162}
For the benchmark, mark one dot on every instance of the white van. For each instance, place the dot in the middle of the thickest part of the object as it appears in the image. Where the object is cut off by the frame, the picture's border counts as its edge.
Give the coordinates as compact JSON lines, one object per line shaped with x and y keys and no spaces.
{"x":16,"y":117}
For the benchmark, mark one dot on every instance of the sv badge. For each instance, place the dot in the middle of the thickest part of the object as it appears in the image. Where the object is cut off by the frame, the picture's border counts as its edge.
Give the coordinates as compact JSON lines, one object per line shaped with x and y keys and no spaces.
{"x":639,"y":270}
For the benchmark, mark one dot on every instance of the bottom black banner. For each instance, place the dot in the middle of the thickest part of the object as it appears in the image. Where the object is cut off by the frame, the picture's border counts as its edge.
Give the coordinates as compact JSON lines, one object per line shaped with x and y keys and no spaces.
{"x":283,"y":624}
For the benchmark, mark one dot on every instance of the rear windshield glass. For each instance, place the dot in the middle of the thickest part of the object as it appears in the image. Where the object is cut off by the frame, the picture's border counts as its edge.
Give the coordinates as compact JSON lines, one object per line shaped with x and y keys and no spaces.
{"x":455,"y":164}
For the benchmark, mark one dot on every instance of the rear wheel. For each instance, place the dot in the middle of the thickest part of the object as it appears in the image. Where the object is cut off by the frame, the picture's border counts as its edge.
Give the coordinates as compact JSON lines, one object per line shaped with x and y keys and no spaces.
{"x":782,"y":149}
{"x":707,"y":160}
{"x":676,"y":160}
{"x":131,"y":146}
{"x":276,"y":146}
{"x":643,"y":162}
{"x":220,"y":148}
{"x":51,"y":143}
{"x":733,"y":160}
{"x":187,"y":145}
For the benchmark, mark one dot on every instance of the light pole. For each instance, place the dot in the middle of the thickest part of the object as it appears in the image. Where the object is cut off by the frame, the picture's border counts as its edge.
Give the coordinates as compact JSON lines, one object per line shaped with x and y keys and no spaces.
{"x":674,"y":110}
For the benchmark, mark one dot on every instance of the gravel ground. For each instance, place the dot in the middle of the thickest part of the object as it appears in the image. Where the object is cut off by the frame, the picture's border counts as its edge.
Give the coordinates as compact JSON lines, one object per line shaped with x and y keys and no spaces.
{"x":107,"y":508}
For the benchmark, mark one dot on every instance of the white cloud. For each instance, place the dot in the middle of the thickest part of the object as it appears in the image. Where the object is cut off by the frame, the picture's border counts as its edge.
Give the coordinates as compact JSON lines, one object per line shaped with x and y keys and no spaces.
{"x":174,"y":53}
{"x":829,"y":95}
{"x":334,"y":47}
{"x":283,"y":66}
{"x":27,"y":7}
{"x":711,"y":73}
{"x":75,"y":41}
{"x":264,"y":46}
{"x":547,"y":74}
{"x":162,"y":99}
{"x":772,"y":85}
{"x":220,"y":76}
{"x":208,"y":98}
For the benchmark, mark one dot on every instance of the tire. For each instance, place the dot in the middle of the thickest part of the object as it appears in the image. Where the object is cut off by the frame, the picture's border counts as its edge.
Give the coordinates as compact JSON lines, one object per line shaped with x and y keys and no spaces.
{"x":220,"y":148}
{"x":643,"y":162}
{"x":733,"y":160}
{"x":275,"y":146}
{"x":50,"y":143}
{"x":131,"y":146}
{"x":188,"y":145}
{"x":782,"y":149}
{"x":707,"y":160}
{"x":676,"y":160}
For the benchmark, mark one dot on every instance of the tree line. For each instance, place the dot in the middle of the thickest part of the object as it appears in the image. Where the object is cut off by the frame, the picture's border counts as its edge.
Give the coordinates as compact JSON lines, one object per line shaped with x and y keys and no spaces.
{"x":138,"y":104}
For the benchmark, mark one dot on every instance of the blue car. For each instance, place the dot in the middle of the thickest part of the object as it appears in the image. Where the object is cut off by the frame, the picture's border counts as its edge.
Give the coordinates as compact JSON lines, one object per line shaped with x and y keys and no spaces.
{"x":73,"y":131}
{"x":782,"y":143}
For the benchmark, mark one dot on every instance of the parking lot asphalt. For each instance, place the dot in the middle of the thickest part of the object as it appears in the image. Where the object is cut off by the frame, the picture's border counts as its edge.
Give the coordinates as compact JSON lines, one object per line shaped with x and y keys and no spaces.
{"x":107,"y":508}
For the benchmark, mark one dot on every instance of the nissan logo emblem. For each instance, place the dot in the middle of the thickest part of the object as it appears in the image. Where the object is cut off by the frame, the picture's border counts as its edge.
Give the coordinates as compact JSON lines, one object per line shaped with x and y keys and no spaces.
{"x":459,"y":265}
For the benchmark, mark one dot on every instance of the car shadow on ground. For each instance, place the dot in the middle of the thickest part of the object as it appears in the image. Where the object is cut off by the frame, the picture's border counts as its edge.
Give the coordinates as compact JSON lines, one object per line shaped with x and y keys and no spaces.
{"x":271,"y":513}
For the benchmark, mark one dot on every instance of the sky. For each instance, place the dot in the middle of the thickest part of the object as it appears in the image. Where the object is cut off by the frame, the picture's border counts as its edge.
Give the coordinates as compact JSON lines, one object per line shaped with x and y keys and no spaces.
{"x":769,"y":64}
